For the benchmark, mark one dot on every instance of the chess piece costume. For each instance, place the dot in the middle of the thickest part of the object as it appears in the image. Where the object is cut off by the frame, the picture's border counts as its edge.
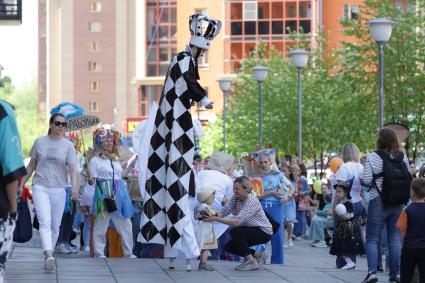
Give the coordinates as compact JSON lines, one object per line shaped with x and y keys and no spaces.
{"x":168,"y":166}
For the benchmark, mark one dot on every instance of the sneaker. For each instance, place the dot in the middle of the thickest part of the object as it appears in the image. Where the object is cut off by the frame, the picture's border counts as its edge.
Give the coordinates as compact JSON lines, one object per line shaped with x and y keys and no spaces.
{"x":291,"y":243}
{"x":62,"y":249}
{"x":71,"y":248}
{"x":286,"y":245}
{"x":262,"y":258}
{"x":130,"y":256}
{"x":320,"y":244}
{"x":370,"y":278}
{"x":394,"y":280}
{"x":348,"y":265}
{"x":101,"y":256}
{"x":188,"y":267}
{"x":86,"y":248}
{"x":205,"y":267}
{"x":252,"y":265}
{"x":242,"y":265}
{"x":49,"y":264}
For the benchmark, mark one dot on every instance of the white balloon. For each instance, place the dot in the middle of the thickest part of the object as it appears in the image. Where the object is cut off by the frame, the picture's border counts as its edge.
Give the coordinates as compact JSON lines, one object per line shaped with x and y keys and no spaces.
{"x":340,"y":210}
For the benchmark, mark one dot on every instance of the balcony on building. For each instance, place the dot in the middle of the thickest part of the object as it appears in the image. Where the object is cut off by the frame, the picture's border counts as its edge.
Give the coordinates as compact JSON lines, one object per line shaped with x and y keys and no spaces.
{"x":10,"y":12}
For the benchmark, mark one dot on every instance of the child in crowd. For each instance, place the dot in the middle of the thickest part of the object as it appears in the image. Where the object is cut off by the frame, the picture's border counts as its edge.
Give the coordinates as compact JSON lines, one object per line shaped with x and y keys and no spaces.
{"x":412,"y":233}
{"x":322,"y":220}
{"x":204,"y":232}
{"x":348,"y":236}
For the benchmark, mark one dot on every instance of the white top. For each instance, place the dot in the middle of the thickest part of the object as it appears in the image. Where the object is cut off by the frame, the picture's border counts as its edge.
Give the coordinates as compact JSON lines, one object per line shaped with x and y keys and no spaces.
{"x":220,"y":182}
{"x":101,"y":168}
{"x":53,"y":157}
{"x":348,"y":171}
{"x":375,"y":165}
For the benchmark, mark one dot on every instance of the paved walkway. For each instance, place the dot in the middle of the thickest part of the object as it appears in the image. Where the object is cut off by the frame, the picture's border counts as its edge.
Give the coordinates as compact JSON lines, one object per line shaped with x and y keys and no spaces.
{"x":303,"y":264}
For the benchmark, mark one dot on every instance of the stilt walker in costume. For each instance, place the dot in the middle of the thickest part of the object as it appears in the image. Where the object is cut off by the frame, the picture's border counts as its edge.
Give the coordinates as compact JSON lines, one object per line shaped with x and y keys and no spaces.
{"x":168,"y":168}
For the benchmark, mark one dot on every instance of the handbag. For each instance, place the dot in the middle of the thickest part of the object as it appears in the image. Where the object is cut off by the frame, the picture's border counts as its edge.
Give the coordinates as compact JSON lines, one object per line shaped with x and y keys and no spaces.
{"x":23,"y":230}
{"x":109,"y":201}
{"x":275,"y":224}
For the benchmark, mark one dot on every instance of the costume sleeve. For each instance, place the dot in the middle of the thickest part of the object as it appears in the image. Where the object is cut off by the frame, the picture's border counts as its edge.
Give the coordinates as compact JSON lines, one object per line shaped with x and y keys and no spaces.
{"x":93,"y":167}
{"x":228,"y":208}
{"x":11,"y":164}
{"x":402,"y":221}
{"x":349,"y":206}
{"x":197,"y":92}
{"x":284,"y":180}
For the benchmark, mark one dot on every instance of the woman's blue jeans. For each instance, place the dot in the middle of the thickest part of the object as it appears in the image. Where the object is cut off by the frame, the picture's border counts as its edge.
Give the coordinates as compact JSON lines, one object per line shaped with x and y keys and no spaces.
{"x":377,"y":218}
{"x":301,"y":226}
{"x":275,"y":211}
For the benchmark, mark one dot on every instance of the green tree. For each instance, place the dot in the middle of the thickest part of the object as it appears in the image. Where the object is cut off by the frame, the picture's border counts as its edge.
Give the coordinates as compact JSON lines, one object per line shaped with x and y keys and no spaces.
{"x":30,"y":125}
{"x":404,"y":61}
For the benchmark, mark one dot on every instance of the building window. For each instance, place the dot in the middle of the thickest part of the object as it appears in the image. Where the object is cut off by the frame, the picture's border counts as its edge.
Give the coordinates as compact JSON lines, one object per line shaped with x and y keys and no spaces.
{"x":95,"y":46}
{"x":147,"y":95}
{"x":161,"y":35}
{"x":94,"y":86}
{"x":95,"y":106}
{"x":351,"y":12}
{"x":95,"y":7}
{"x":95,"y":66}
{"x":250,"y":11}
{"x":95,"y":27}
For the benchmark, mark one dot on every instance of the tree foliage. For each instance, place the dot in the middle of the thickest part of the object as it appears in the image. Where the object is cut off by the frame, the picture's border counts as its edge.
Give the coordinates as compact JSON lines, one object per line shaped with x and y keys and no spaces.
{"x":30,"y":125}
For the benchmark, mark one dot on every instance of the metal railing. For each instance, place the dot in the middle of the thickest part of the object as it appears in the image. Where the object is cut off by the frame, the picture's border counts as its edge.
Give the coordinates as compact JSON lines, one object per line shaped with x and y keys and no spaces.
{"x":11,"y":10}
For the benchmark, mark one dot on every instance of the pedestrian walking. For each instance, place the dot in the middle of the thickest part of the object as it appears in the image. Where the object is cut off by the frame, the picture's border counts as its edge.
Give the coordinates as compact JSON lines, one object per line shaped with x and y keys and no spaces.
{"x":11,"y":170}
{"x":111,"y":200}
{"x":250,"y":225}
{"x":387,"y":199}
{"x":412,"y":233}
{"x":53,"y":158}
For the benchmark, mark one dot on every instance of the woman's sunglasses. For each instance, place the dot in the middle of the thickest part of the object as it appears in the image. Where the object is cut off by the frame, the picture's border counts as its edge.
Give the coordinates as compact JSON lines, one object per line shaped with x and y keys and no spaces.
{"x":58,"y":124}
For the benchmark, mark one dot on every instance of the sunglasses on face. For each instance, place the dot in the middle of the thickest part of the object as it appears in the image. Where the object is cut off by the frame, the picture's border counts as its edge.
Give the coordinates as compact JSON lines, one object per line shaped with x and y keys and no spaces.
{"x":58,"y":124}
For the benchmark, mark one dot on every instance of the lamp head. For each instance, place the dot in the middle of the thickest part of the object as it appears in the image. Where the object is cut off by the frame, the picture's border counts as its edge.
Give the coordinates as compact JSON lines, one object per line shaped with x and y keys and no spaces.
{"x":299,"y":58}
{"x":381,"y":29}
{"x":260,"y":73}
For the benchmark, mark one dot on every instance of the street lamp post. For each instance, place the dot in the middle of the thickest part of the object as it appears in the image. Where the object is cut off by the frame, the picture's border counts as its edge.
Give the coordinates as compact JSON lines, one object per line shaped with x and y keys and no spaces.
{"x":381,"y":29}
{"x":225,"y":84}
{"x":300,"y":60}
{"x":260,"y":75}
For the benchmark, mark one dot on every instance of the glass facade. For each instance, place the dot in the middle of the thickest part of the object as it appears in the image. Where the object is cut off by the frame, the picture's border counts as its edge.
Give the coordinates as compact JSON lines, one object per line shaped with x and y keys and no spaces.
{"x":269,"y":21}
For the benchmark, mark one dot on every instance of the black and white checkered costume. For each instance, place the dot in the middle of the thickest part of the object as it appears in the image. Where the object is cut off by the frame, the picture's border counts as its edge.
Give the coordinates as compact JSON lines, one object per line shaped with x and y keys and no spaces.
{"x":169,"y":176}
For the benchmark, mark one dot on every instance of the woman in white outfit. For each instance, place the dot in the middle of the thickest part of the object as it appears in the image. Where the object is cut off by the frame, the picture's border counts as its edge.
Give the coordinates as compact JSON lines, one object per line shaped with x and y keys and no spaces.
{"x":52,"y":159}
{"x":111,"y":200}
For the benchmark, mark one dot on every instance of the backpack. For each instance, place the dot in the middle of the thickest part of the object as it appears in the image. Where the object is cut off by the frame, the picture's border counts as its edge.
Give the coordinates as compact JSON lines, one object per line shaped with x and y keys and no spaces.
{"x":396,"y":180}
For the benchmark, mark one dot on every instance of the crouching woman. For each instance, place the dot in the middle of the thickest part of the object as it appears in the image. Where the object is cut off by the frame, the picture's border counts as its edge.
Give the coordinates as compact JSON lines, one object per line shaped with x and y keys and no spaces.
{"x":250,"y":225}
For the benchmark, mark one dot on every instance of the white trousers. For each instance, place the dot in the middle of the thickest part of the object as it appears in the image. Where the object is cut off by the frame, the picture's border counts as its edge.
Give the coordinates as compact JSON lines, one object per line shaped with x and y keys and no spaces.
{"x":49,"y":205}
{"x":123,"y":227}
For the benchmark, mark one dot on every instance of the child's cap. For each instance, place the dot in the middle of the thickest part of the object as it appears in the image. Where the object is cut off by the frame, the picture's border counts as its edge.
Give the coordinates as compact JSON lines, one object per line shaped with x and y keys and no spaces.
{"x":204,"y":193}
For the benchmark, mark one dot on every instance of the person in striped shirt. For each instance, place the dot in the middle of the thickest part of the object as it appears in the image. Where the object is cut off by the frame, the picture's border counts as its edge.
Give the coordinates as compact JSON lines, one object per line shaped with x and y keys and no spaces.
{"x":250,"y":225}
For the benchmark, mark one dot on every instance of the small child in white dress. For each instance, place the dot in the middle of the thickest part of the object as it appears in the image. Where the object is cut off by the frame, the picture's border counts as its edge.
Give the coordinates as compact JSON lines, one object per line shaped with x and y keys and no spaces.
{"x":204,"y":232}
